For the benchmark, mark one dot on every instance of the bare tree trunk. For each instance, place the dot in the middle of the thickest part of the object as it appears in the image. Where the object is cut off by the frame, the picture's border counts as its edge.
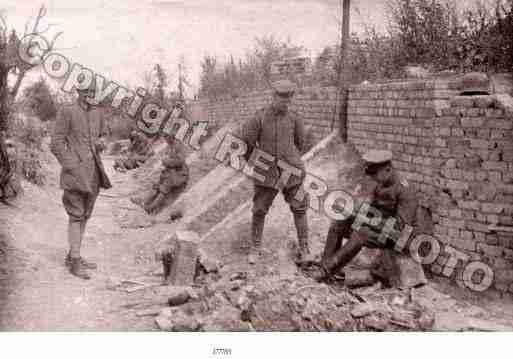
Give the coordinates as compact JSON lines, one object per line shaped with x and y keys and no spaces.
{"x":5,"y":168}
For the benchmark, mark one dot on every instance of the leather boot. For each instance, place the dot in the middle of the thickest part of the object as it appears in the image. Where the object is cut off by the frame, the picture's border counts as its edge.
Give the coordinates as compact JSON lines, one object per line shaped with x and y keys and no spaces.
{"x":257,"y":230}
{"x":343,"y":256}
{"x":301,"y":222}
{"x":333,"y":242}
{"x":77,"y":269}
{"x":87,"y":264}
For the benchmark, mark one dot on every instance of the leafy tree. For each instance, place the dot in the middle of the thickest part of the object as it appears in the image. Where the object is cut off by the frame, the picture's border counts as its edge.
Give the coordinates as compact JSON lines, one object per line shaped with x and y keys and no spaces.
{"x":40,"y":100}
{"x":251,"y":73}
{"x":12,"y":64}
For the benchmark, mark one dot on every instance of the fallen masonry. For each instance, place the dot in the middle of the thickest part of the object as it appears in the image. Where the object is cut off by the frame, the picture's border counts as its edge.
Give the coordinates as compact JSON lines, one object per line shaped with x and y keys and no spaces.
{"x":292,"y":304}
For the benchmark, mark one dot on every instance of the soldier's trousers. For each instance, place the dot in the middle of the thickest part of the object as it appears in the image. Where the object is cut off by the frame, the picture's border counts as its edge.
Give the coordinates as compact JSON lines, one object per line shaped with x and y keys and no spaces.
{"x":336,"y":254}
{"x":79,"y":207}
{"x":263,"y":198}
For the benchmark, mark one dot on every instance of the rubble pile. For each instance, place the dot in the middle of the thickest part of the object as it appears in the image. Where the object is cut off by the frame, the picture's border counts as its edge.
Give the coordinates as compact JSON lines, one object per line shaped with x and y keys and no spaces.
{"x":237,"y":303}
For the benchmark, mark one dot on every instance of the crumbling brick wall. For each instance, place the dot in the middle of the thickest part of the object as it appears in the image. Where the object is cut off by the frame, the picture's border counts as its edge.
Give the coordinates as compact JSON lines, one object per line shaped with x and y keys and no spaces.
{"x":457,"y":152}
{"x":316,"y":105}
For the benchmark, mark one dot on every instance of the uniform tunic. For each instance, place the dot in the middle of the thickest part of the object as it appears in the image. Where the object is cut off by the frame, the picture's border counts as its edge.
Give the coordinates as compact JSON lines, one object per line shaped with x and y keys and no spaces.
{"x":176,"y":172}
{"x":74,"y":139}
{"x":282,"y":136}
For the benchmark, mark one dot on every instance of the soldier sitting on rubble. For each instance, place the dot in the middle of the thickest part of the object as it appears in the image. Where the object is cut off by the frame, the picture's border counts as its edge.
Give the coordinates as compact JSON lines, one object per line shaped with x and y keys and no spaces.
{"x":173,"y":178}
{"x":385,"y":193}
{"x":139,"y":151}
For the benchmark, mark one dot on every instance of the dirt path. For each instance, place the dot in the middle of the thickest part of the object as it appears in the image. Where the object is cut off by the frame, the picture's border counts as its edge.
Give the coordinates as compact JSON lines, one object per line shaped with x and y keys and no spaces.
{"x":42,"y":295}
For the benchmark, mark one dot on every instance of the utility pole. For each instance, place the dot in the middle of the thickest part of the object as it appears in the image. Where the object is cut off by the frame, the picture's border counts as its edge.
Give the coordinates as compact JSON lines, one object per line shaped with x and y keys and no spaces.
{"x":342,"y":85}
{"x":180,"y":82}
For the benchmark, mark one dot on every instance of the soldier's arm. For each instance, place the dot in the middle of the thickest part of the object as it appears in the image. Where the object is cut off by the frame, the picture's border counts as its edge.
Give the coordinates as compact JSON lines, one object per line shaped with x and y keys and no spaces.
{"x":249,"y":132}
{"x":407,"y":205}
{"x":59,"y":144}
{"x":300,"y":135}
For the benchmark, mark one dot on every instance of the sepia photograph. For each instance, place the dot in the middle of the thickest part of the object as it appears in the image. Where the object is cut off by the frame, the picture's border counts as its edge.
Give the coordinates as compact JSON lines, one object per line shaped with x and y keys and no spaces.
{"x":262,"y":173}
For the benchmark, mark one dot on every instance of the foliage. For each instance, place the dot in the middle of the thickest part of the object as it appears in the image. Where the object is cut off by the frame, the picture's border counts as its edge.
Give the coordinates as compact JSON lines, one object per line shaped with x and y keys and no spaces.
{"x":39,"y":100}
{"x":252,"y":73}
{"x":28,"y":136}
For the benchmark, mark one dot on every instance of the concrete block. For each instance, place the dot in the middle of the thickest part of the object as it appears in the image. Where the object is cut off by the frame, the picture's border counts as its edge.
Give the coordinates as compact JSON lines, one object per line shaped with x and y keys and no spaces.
{"x":183,"y":267}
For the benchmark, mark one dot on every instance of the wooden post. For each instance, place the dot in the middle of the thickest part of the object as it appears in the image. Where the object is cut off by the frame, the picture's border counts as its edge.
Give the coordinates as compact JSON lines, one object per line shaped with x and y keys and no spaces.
{"x":342,"y":84}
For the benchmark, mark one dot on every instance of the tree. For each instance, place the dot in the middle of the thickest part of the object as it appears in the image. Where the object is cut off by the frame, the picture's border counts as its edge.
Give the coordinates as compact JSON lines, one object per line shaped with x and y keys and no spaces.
{"x":161,"y":85}
{"x":183,"y":79}
{"x":11,"y":63}
{"x":252,"y":73}
{"x":40,"y":101}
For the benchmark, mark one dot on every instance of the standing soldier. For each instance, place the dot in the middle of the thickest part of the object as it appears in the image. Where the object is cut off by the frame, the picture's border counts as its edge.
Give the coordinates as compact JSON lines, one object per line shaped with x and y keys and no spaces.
{"x":385,"y":193}
{"x":77,"y":144}
{"x":279,"y":132}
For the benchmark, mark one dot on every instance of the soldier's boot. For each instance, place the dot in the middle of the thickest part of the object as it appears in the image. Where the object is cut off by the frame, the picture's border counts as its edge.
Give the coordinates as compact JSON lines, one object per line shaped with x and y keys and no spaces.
{"x":333,"y":242}
{"x":342,"y":257}
{"x":257,"y":230}
{"x":78,"y":269}
{"x":87,"y":264}
{"x":301,"y":222}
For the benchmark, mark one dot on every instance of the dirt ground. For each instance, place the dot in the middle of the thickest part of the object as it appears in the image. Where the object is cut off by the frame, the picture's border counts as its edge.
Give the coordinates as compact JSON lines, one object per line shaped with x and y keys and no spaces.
{"x":37,"y":292}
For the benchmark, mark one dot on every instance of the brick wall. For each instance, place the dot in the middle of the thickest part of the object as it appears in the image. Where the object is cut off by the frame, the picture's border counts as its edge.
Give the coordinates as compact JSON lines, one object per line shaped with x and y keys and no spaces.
{"x":316,"y":105}
{"x":457,"y":151}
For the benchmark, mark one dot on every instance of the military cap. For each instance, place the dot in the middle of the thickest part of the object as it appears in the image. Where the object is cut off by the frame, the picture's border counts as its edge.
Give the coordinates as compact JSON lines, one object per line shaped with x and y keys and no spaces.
{"x":475,"y":83}
{"x":377,"y":157}
{"x":284,"y":87}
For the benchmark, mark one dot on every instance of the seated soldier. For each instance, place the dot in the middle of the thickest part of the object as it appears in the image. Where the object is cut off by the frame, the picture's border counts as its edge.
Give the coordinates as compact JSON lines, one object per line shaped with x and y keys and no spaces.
{"x":385,"y":193}
{"x":173,"y":178}
{"x":139,"y":151}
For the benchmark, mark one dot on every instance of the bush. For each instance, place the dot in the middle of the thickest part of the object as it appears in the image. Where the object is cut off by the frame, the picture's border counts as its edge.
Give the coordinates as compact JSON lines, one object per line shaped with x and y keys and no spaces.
{"x":28,"y":138}
{"x":40,"y":101}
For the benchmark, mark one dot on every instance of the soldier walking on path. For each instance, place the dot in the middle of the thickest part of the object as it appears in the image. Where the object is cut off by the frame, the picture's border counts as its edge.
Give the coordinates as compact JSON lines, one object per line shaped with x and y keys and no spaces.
{"x":77,"y":143}
{"x":279,"y":132}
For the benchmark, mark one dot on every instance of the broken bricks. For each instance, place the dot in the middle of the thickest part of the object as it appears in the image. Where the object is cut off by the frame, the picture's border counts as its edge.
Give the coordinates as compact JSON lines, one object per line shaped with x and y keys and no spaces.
{"x":172,"y":319}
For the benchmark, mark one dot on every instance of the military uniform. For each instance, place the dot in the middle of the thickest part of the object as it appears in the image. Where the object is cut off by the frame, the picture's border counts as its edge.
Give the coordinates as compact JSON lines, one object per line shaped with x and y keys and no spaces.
{"x":281,"y":134}
{"x":74,"y":142}
{"x":173,"y":179}
{"x":76,"y":145}
{"x":175,"y":174}
{"x":392,"y":199}
{"x":139,"y":151}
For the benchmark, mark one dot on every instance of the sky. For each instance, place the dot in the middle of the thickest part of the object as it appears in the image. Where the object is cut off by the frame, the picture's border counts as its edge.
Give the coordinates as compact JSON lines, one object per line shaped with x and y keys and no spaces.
{"x":123,"y":39}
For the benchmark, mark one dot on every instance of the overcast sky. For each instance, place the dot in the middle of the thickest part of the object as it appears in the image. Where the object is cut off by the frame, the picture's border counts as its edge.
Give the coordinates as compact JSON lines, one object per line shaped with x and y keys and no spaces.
{"x":124,"y":38}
